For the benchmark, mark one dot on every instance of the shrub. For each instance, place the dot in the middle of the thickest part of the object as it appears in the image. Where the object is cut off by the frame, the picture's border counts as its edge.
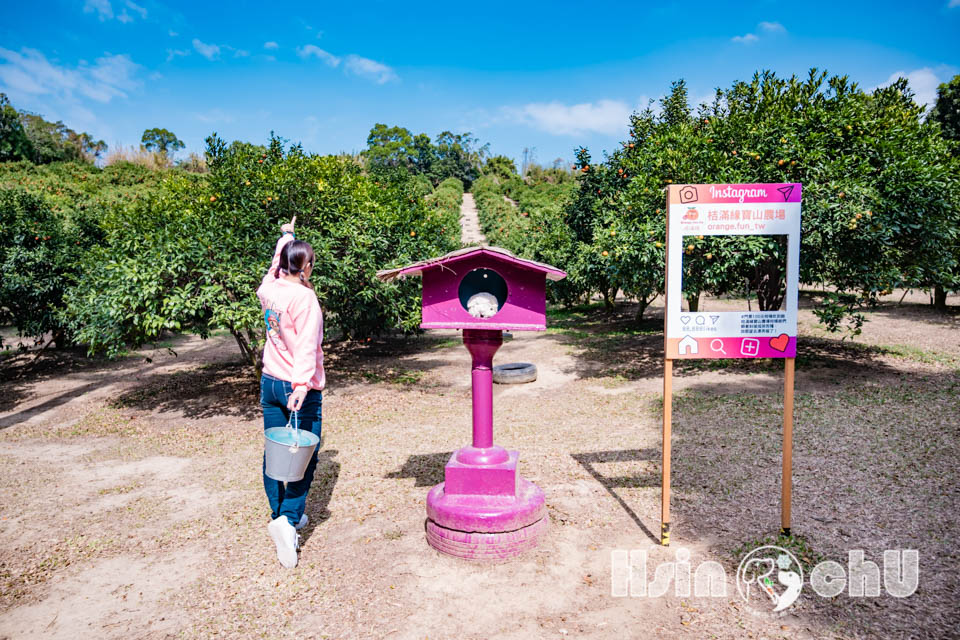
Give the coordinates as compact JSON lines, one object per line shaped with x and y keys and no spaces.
{"x":191,"y":256}
{"x":51,"y":214}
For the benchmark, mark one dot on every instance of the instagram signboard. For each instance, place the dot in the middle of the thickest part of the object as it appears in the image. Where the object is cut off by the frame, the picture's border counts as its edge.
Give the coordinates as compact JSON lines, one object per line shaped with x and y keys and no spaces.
{"x":696,"y":210}
{"x":732,"y":210}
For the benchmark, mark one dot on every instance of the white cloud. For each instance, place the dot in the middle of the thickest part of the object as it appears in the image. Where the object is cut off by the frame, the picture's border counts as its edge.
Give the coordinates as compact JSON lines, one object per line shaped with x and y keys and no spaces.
{"x":241,"y":53}
{"x":271,"y":58}
{"x":214,"y":116}
{"x":176,"y":53}
{"x":365,"y":67}
{"x":102,"y":7}
{"x":116,"y":71}
{"x":104,"y":11}
{"x":173,"y":34}
{"x":271,"y":45}
{"x":923,"y":82}
{"x":953,"y":3}
{"x":765,"y":27}
{"x":29,"y":74}
{"x":353,"y":64}
{"x":208,"y":51}
{"x":137,"y":8}
{"x":610,"y":117}
{"x":316,"y":52}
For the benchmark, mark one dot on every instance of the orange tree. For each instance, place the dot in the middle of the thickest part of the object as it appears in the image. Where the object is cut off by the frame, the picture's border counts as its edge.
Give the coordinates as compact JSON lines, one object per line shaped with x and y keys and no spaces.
{"x":49,"y":217}
{"x":190,"y":258}
{"x":880,"y":193}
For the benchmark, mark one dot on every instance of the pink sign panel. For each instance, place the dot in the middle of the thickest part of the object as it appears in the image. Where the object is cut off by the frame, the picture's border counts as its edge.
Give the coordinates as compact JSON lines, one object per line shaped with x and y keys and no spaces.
{"x":724,"y":210}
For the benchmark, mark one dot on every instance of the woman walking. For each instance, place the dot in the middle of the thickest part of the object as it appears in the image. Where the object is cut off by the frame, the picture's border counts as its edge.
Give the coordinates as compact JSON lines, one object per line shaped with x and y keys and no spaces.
{"x":292,"y":378}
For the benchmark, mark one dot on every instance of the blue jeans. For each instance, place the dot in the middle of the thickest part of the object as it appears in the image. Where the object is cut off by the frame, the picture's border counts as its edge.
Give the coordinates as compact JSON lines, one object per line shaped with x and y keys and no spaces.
{"x":289,"y":500}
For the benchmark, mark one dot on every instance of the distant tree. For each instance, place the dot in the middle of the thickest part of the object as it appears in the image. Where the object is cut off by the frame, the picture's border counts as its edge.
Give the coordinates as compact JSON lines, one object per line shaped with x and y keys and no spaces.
{"x":51,"y":141}
{"x":14,"y":143}
{"x":389,"y":146}
{"x":451,"y":155}
{"x":946,"y":111}
{"x":500,"y":167}
{"x":458,"y":157}
{"x":161,"y":140}
{"x":91,"y":149}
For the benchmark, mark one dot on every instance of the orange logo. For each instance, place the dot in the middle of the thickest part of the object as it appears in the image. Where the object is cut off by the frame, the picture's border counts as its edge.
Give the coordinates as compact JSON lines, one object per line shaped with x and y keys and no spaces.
{"x":691,"y":215}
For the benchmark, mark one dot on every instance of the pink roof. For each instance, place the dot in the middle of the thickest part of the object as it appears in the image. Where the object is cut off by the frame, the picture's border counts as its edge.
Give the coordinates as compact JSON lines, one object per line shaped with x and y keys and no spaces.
{"x":417,"y":268}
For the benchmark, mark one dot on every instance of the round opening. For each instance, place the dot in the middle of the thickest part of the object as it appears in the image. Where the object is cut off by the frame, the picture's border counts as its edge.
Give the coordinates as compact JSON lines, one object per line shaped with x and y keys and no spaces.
{"x":483,"y":293}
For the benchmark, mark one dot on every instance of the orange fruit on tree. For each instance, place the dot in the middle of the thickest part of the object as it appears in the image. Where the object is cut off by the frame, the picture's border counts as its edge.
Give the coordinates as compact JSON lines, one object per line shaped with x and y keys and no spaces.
{"x":605,"y":254}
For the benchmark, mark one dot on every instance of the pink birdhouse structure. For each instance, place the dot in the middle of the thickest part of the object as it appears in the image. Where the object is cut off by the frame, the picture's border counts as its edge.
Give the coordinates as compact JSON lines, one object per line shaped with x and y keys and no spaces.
{"x":483,"y":509}
{"x":484,"y":275}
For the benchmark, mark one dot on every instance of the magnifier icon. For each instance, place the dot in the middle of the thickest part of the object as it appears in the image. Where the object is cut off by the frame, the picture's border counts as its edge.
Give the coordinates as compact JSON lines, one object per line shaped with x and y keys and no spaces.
{"x":717,"y":345}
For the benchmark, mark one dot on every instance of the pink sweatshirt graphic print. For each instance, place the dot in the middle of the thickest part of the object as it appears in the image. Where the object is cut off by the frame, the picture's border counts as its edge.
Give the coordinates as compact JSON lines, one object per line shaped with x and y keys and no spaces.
{"x":294,"y":323}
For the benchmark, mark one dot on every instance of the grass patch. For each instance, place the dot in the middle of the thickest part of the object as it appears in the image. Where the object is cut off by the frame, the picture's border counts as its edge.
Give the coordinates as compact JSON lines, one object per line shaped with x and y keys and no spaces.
{"x":919,"y":355}
{"x":795,"y":544}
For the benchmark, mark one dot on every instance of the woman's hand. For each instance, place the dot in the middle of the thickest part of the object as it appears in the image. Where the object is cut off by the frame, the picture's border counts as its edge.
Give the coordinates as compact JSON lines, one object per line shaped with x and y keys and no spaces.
{"x":288,"y":227}
{"x":295,"y":401}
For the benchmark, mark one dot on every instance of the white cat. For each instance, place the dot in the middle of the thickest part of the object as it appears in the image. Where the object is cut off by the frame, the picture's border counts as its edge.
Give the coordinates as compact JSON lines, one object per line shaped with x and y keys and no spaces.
{"x":482,"y":305}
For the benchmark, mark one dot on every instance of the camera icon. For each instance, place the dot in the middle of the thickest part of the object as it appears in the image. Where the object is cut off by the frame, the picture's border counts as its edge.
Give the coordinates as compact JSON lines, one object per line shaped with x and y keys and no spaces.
{"x":688,"y":194}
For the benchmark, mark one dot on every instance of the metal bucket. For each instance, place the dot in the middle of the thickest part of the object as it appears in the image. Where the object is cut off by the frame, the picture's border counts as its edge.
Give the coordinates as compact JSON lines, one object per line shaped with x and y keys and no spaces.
{"x":287,"y":450}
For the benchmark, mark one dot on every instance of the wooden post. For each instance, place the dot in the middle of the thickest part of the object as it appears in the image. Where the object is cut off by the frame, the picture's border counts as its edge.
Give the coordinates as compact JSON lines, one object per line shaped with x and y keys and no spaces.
{"x":787,"y":482}
{"x":665,"y":464}
{"x":667,"y":395}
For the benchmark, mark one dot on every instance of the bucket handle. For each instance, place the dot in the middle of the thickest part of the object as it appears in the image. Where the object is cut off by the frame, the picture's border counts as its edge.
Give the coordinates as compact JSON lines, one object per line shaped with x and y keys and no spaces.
{"x":294,"y":419}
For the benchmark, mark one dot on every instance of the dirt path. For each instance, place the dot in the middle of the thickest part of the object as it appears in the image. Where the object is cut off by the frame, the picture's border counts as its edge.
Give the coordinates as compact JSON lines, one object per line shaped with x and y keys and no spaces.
{"x":131,"y":501}
{"x":470,"y":233}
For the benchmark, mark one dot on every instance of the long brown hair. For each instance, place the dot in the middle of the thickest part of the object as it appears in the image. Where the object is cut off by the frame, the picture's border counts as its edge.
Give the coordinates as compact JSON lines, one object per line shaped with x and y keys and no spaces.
{"x":294,"y":258}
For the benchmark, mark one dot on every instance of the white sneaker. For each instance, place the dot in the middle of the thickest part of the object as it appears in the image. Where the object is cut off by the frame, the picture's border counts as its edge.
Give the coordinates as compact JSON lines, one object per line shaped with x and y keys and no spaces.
{"x":304,"y":520}
{"x":285,"y":537}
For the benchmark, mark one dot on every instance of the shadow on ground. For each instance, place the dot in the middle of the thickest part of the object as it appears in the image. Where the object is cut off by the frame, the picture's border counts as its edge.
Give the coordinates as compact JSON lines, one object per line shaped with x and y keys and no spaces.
{"x":230,"y":389}
{"x":426,"y":468}
{"x":321,"y":490}
{"x":20,"y":370}
{"x":612,"y":343}
{"x":225,"y":389}
{"x":648,"y":479}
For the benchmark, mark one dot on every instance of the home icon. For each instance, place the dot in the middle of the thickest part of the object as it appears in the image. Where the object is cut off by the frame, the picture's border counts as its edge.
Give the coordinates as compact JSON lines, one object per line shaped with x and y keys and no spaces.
{"x":688,"y":346}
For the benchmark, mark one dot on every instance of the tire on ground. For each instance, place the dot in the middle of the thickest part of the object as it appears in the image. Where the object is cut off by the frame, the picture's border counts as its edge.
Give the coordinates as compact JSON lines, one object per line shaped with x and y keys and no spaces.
{"x":514,"y":373}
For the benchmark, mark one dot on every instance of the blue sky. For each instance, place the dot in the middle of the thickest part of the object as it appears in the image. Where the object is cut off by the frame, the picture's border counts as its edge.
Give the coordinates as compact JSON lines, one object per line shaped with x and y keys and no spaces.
{"x":549,"y":76}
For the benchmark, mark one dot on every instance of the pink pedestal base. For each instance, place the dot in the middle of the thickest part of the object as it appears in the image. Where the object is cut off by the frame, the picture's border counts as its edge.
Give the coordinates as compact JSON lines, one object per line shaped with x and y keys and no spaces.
{"x":486,"y":526}
{"x":491,"y":479}
{"x":484,"y":509}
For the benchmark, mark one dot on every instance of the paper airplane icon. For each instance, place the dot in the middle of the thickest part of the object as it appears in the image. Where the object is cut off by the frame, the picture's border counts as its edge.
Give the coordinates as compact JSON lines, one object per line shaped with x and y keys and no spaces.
{"x":714,"y":319}
{"x":786,"y":191}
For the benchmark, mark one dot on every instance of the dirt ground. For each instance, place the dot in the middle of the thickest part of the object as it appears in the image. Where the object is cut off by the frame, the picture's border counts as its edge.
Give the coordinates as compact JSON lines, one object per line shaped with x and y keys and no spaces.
{"x":131,"y":503}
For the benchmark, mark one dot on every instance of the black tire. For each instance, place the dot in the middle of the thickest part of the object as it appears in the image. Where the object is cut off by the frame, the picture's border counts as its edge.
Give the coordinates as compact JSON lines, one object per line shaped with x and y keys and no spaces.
{"x":514,"y":373}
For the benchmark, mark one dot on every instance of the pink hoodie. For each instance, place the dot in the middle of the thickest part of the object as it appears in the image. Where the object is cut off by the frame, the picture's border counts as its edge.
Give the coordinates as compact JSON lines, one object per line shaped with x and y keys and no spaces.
{"x":294,"y":328}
